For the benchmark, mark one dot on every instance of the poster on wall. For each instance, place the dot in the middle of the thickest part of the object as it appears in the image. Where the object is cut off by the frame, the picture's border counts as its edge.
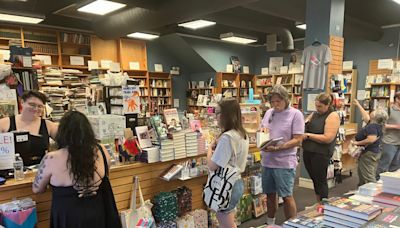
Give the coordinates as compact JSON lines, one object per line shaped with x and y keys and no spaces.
{"x":8,"y":103}
{"x":275,"y":64}
{"x":7,"y":151}
{"x":131,"y":99}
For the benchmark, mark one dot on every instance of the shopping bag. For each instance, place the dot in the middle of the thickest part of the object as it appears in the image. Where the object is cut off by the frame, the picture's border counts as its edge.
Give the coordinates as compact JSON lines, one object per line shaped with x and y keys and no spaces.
{"x":137,"y":217}
{"x":20,"y":219}
{"x":218,"y":190}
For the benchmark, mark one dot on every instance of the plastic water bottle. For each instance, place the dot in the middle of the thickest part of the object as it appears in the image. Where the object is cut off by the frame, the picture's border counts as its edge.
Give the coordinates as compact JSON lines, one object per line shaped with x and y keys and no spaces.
{"x":18,"y":168}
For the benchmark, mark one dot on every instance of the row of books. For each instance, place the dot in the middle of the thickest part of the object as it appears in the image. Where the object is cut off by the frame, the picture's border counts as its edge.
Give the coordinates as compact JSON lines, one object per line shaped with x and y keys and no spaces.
{"x":374,"y":205}
{"x":380,"y":91}
{"x":75,"y":38}
{"x":29,"y":79}
{"x":201,"y":84}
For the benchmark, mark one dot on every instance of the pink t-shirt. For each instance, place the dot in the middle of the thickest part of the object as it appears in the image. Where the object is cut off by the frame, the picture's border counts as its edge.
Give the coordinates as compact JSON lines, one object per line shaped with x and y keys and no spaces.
{"x":284,"y":124}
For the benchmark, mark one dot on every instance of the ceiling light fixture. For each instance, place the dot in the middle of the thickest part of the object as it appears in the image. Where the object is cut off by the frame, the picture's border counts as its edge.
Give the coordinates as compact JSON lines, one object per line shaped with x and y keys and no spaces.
{"x":397,"y":1}
{"x":143,"y":36}
{"x":302,"y":26}
{"x":230,"y":37}
{"x":21,"y":18}
{"x":101,"y":7}
{"x":196,"y":24}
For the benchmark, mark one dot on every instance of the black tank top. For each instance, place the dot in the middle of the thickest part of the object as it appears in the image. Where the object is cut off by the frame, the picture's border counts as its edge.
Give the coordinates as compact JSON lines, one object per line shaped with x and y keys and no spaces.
{"x":39,"y":144}
{"x":317,"y":126}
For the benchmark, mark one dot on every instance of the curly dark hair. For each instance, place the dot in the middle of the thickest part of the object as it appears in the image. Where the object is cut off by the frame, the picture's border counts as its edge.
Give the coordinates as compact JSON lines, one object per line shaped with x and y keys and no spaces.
{"x":33,"y":93}
{"x":76,"y":134}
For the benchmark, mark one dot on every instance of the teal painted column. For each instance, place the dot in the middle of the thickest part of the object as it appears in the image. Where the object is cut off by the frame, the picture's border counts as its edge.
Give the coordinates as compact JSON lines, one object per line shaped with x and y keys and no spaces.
{"x":324,"y":18}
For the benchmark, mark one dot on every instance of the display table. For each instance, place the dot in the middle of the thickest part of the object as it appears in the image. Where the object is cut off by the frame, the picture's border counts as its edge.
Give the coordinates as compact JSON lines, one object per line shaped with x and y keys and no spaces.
{"x":121,"y":178}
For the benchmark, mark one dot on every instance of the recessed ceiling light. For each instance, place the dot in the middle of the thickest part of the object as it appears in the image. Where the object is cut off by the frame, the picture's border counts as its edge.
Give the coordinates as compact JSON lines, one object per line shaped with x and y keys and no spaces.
{"x":302,"y":26}
{"x":230,"y":37}
{"x":20,"y":19}
{"x":197,"y":24}
{"x":101,"y":7}
{"x":397,"y":1}
{"x":143,"y":36}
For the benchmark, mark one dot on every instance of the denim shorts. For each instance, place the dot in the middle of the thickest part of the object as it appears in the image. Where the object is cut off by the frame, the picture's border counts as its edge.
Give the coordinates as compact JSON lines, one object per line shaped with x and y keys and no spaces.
{"x":278,"y":180}
{"x":237,"y":192}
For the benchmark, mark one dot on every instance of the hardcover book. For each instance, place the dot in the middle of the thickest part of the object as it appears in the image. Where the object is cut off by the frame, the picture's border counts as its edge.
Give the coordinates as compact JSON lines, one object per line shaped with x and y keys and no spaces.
{"x":353,"y":208}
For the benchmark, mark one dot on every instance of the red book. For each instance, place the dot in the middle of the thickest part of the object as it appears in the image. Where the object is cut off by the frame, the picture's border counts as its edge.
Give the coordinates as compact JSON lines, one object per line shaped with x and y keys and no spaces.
{"x":388,"y":198}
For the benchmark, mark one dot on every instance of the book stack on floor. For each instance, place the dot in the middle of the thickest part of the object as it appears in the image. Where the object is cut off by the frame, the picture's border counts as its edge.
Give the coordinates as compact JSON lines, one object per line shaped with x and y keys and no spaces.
{"x":307,"y":218}
{"x":191,"y":144}
{"x":167,"y":150}
{"x":179,"y":144}
{"x":342,"y":212}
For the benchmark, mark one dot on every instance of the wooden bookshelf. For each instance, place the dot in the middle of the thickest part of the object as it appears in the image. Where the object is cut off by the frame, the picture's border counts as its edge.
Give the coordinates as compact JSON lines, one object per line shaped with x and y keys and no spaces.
{"x":382,"y":94}
{"x":292,"y":82}
{"x":227,"y":82}
{"x":350,"y":94}
{"x":160,"y":91}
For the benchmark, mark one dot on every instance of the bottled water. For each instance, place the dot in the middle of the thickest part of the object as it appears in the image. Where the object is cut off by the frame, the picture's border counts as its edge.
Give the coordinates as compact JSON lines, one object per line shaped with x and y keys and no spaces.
{"x":18,"y":168}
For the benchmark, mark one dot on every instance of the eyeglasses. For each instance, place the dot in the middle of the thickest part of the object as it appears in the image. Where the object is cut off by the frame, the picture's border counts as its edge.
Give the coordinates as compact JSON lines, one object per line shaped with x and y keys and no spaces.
{"x":36,"y":106}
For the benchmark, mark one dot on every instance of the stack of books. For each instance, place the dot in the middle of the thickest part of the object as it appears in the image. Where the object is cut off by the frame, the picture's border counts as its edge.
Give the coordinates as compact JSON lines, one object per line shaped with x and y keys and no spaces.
{"x":56,"y":100}
{"x":54,"y":78}
{"x":307,"y":218}
{"x":343,"y":212}
{"x":390,"y":196}
{"x":201,"y":142}
{"x":167,"y":150}
{"x":179,"y":144}
{"x":191,"y":144}
{"x":366,"y":192}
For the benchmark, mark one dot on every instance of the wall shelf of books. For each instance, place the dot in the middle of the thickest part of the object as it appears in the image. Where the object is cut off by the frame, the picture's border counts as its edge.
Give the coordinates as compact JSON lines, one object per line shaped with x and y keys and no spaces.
{"x":196,"y":93}
{"x":160,"y":90}
{"x":75,"y":50}
{"x":227,"y":84}
{"x":382,"y":94}
{"x":43,"y":43}
{"x":7,"y":35}
{"x":292,"y":82}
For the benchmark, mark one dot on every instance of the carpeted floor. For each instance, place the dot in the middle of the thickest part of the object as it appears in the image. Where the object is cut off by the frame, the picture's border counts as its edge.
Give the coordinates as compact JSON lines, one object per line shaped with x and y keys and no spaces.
{"x":305,"y":197}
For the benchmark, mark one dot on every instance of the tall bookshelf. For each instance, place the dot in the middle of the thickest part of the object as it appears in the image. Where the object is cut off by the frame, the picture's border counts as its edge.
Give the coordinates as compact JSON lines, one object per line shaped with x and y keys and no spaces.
{"x":160,"y":91}
{"x":350,"y":94}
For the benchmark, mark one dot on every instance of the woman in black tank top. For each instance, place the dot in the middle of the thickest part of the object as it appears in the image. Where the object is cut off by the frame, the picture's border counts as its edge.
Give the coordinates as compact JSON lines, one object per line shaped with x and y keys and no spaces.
{"x":30,"y":120}
{"x":319,"y":142}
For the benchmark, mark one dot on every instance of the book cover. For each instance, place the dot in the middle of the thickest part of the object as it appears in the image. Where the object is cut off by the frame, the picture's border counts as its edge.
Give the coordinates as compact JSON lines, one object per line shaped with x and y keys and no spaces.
{"x":195,"y":125}
{"x":159,"y":126}
{"x":172,"y":119}
{"x":143,"y":135}
{"x":171,"y":172}
{"x":353,"y":208}
{"x":237,"y":68}
{"x":310,"y":218}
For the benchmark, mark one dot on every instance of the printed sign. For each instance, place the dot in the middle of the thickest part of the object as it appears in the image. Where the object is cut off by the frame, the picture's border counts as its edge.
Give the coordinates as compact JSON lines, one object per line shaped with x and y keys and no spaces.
{"x":7,"y":150}
{"x":131,"y":99}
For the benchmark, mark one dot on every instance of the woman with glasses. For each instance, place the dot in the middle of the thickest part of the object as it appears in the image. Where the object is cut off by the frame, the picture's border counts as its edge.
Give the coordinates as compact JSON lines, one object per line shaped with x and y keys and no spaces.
{"x":279,"y":162}
{"x":30,"y":120}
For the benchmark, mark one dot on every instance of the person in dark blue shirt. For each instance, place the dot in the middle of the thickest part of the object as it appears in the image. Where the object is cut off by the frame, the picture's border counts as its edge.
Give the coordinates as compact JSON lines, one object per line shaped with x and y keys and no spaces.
{"x":370,"y":138}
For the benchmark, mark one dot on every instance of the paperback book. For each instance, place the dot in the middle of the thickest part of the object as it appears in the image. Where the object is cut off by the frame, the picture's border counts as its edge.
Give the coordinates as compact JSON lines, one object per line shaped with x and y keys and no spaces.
{"x":353,"y":208}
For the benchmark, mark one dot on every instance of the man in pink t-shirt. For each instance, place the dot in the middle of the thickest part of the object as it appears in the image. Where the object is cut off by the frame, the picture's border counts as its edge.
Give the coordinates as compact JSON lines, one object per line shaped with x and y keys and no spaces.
{"x":280,"y":162}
